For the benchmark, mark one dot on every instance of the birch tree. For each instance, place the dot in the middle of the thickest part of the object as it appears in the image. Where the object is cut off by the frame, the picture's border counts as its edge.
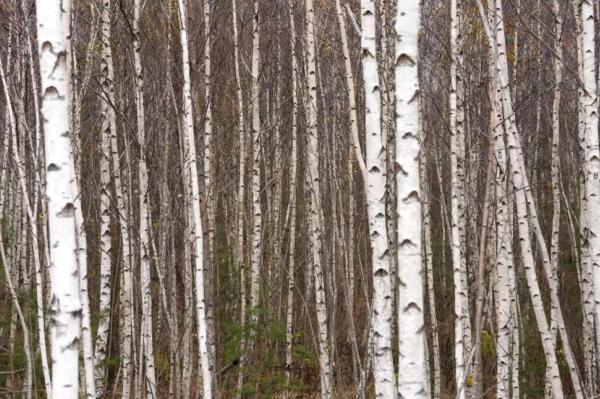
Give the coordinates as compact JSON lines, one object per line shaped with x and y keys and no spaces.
{"x":293,"y":193}
{"x":241,"y":186}
{"x":412,"y":368}
{"x":586,"y":268}
{"x":555,"y":173}
{"x":461,"y":299}
{"x":383,"y":365}
{"x":144,"y":247}
{"x":194,"y":213}
{"x":314,"y":187}
{"x":592,"y":152}
{"x":504,"y":262}
{"x":256,"y":240}
{"x":105,"y":199}
{"x":53,"y":47}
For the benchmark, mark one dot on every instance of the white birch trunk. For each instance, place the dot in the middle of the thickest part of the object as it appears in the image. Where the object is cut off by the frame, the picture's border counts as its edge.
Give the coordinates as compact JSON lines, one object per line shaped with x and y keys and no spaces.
{"x":435,"y":347}
{"x":241,"y":189}
{"x":590,"y":352}
{"x":194,"y":196}
{"x":383,"y":364}
{"x":412,"y":368}
{"x":256,"y":149}
{"x":144,"y":246}
{"x":256,"y":240}
{"x":315,"y":232}
{"x":461,"y":301}
{"x":91,"y":384}
{"x":209,"y":189}
{"x":208,"y":128}
{"x":504,"y":258}
{"x":105,"y":237}
{"x":515,"y":338}
{"x":82,"y":261}
{"x":292,"y":200}
{"x":554,"y":235}
{"x":591,"y":153}
{"x":54,"y":44}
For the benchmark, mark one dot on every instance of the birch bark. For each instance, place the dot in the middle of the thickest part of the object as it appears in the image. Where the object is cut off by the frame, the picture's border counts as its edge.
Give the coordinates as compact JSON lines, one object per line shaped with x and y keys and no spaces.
{"x":256,"y":241}
{"x":241,"y":188}
{"x":144,"y":234}
{"x":54,"y":44}
{"x":383,"y":365}
{"x":592,"y":152}
{"x":105,"y":236}
{"x":587,"y":280}
{"x":292,"y":200}
{"x":412,"y":368}
{"x":314,"y":186}
{"x":554,"y":235}
{"x":504,"y":258}
{"x":207,"y":369}
{"x":209,"y":189}
{"x":461,"y":300}
{"x":428,"y":252}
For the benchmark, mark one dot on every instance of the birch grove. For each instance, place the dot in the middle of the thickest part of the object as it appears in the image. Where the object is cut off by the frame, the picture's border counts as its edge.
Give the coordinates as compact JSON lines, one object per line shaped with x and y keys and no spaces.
{"x":299,"y":199}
